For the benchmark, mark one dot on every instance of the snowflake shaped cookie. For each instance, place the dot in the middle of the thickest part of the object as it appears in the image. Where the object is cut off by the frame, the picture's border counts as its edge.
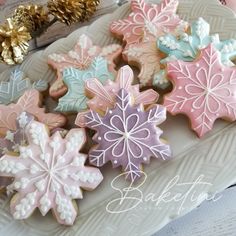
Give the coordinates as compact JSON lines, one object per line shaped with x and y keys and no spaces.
{"x":30,"y":102}
{"x":148,"y":21}
{"x":104,"y":96}
{"x":127,"y":136}
{"x":80,"y":58}
{"x":75,"y":99}
{"x":49,"y":174}
{"x":147,"y":58}
{"x":204,"y":90}
{"x":11,"y":90}
{"x":187,"y":47}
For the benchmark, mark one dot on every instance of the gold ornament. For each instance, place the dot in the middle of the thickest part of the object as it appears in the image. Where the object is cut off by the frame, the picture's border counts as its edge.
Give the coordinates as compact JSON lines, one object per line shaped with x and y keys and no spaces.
{"x":14,"y":42}
{"x":66,"y":11}
{"x":33,"y":17}
{"x":89,"y":8}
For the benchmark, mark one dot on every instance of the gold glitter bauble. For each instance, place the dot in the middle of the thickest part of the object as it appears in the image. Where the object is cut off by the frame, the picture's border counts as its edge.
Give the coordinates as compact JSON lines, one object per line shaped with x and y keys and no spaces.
{"x":33,"y":17}
{"x":14,"y":42}
{"x":66,"y":11}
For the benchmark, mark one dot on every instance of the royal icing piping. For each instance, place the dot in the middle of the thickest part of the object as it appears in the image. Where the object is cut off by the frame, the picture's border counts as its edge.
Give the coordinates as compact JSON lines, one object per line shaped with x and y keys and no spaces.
{"x":80,"y":58}
{"x":187,"y":47}
{"x":104,"y":96}
{"x":204,"y":90}
{"x":11,"y":90}
{"x":148,"y":21}
{"x":75,"y":99}
{"x":147,"y":57}
{"x":29,"y":102}
{"x":127,"y":135}
{"x":49,"y":173}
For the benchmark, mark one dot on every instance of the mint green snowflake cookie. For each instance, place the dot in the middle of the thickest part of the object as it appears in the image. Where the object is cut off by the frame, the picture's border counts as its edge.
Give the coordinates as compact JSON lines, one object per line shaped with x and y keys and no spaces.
{"x":75,"y":100}
{"x":12,"y":90}
{"x":187,"y":47}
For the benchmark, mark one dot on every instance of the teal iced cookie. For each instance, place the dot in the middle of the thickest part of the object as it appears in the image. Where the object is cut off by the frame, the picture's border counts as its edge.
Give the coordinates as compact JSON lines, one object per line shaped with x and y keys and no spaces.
{"x":75,"y":99}
{"x":12,"y":90}
{"x":187,"y":47}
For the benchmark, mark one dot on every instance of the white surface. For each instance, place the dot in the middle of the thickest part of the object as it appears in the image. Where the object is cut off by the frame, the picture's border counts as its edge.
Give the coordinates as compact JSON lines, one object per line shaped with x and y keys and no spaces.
{"x":210,"y":219}
{"x":214,"y":156}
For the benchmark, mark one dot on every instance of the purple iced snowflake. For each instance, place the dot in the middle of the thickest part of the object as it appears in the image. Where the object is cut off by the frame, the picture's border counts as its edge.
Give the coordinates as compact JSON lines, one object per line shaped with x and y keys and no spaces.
{"x":127,"y":135}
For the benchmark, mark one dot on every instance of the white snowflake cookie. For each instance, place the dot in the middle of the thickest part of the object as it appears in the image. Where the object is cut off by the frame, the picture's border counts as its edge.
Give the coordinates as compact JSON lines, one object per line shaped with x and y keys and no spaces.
{"x":49,"y":174}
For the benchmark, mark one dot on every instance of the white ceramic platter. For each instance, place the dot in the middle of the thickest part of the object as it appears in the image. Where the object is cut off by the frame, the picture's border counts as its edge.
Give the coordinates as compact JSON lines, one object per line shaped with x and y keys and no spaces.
{"x":213,"y":157}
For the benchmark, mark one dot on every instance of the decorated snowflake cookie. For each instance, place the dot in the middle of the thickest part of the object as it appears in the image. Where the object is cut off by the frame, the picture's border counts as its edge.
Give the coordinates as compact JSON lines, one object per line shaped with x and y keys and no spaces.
{"x":49,"y":174}
{"x":80,"y":58}
{"x":148,"y":21}
{"x":30,"y":102}
{"x":187,"y":47}
{"x":104,"y":96}
{"x":127,"y":135}
{"x":147,"y":58}
{"x":204,"y":90}
{"x":11,"y":90}
{"x":75,"y":99}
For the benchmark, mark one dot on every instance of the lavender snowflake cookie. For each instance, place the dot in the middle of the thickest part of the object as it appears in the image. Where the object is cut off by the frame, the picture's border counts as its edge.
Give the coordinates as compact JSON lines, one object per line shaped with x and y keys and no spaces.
{"x":127,"y":135}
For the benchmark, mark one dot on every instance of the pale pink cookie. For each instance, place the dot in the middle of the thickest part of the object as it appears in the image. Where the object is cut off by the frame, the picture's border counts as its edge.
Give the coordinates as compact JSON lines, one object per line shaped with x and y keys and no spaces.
{"x":81,"y":57}
{"x":204,"y":90}
{"x":104,"y":96}
{"x":147,"y":58}
{"x":148,"y":21}
{"x":49,"y":174}
{"x":30,"y":102}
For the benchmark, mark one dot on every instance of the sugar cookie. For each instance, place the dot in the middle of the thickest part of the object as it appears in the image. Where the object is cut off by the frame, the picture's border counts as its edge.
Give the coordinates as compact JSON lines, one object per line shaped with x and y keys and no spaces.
{"x":49,"y":174}
{"x":30,"y":102}
{"x":80,"y":58}
{"x":127,"y":135}
{"x":187,"y":47}
{"x":204,"y":90}
{"x":104,"y":96}
{"x":148,"y":21}
{"x":12,"y":90}
{"x":75,"y":100}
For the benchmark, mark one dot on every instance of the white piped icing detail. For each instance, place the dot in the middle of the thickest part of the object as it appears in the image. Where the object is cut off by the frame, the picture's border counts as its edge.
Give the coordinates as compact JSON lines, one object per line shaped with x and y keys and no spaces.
{"x":49,"y":173}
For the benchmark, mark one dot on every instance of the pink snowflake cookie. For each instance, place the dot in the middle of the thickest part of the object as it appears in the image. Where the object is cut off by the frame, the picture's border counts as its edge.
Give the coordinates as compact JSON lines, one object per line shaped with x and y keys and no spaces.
{"x":127,"y":135}
{"x":104,"y":96}
{"x":30,"y":102}
{"x":204,"y":90}
{"x":81,"y":57}
{"x":148,"y":21}
{"x":49,"y":173}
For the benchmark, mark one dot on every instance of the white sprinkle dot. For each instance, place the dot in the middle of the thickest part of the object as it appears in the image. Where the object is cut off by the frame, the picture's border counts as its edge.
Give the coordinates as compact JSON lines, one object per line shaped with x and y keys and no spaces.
{"x":145,"y":158}
{"x":197,"y":65}
{"x":180,"y":87}
{"x":110,"y":112}
{"x":192,"y":110}
{"x":99,"y":138}
{"x":115,"y":161}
